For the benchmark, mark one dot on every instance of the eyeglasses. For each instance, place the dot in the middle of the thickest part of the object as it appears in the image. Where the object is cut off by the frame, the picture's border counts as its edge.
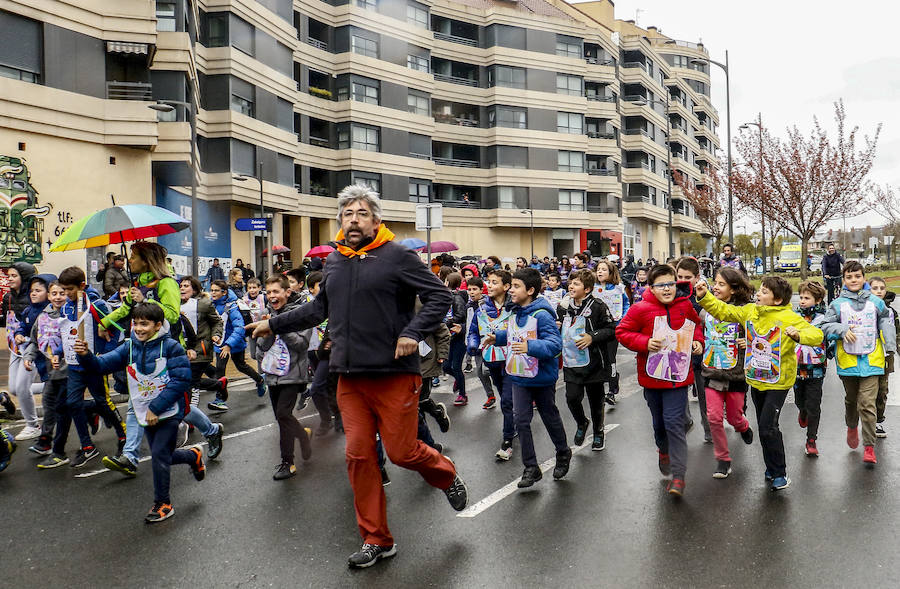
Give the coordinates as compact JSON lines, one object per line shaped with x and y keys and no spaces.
{"x":359,"y":214}
{"x":663,"y":285}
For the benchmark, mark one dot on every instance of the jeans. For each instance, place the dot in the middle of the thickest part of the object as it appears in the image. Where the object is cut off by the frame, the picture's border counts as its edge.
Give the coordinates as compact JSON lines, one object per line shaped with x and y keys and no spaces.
{"x":240,"y":363}
{"x":667,"y":412}
{"x":453,"y":363}
{"x":808,"y":396}
{"x":484,"y":375}
{"x":319,"y":389}
{"x":524,"y":401}
{"x":284,"y":399}
{"x":699,"y":388}
{"x":768,"y":407}
{"x":504,"y":386}
{"x":575,"y":400}
{"x":135,"y":432}
{"x":732,"y":403}
{"x":161,"y":438}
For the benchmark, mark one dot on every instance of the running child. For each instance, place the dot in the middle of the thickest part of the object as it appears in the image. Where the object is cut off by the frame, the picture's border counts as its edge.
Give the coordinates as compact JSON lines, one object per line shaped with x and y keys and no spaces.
{"x":609,"y":289}
{"x":688,"y":270}
{"x":43,"y":316}
{"x":639,"y":285}
{"x":554,"y":291}
{"x":475,"y":289}
{"x":811,"y":365}
{"x":254,"y":302}
{"x":456,"y":321}
{"x":665,"y":331}
{"x":14,"y":305}
{"x":879,"y":288}
{"x":159,"y":378}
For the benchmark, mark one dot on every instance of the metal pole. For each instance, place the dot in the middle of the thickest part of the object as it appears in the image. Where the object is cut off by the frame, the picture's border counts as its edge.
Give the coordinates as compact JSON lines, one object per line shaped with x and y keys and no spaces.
{"x":762,"y":213}
{"x":669,"y":173}
{"x":195,"y":216}
{"x":728,"y":118}
{"x":428,"y":232}
{"x":531,"y":214}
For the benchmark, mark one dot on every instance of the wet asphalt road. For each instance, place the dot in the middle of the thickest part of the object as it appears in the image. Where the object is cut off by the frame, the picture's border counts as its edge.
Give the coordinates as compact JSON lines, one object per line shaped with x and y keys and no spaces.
{"x":608,"y":524}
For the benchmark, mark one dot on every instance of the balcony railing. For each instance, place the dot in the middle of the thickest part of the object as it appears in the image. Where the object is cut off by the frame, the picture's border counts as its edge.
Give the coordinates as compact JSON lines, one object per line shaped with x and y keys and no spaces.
{"x":459,"y":204}
{"x":602,"y":209}
{"x":318,"y":44}
{"x":634,"y":64}
{"x":421,"y":156}
{"x":319,"y":142}
{"x":455,"y":80}
{"x":455,"y":39}
{"x":601,"y":134}
{"x":455,"y":120}
{"x":129,"y":90}
{"x":600,"y":98}
{"x":602,"y":172}
{"x":449,"y":161}
{"x":643,"y":132}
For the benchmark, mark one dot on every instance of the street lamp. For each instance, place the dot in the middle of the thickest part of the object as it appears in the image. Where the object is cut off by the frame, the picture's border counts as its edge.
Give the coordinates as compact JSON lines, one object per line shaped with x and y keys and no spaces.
{"x":530,"y":212}
{"x":646,"y":102}
{"x":762,"y":213}
{"x":724,"y":66}
{"x":169,"y":106}
{"x":267,"y":235}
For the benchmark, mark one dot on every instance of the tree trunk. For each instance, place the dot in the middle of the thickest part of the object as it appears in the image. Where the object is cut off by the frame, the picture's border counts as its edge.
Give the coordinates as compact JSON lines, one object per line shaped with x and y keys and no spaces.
{"x":804,"y":251}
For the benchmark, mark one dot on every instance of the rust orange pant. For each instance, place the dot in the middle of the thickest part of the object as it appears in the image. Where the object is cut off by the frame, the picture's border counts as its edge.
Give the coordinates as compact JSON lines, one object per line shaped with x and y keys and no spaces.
{"x":387,"y":404}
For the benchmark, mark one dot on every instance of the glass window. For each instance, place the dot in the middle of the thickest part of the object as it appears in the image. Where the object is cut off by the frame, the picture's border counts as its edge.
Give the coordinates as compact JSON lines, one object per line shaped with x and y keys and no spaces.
{"x":509,"y":156}
{"x":243,"y":157}
{"x":241,"y":105}
{"x":360,"y":91}
{"x":241,"y":35}
{"x":16,"y":74}
{"x":369,"y":179}
{"x":417,"y":15}
{"x":417,"y":62}
{"x":506,"y":76}
{"x":419,"y":190}
{"x":566,"y":84}
{"x":358,"y":137}
{"x":508,"y":116}
{"x":165,"y":16}
{"x":506,"y":197}
{"x":21,"y":47}
{"x":570,"y":161}
{"x":418,"y":104}
{"x":367,"y":4}
{"x":217,"y":29}
{"x":364,"y":46}
{"x":568,"y":49}
{"x":569,"y":122}
{"x":571,"y":200}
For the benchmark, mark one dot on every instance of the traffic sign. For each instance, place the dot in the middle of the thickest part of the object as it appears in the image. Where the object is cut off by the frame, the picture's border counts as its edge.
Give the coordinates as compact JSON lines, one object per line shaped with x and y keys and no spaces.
{"x":253,"y":224}
{"x":754,"y":241}
{"x":429,"y":216}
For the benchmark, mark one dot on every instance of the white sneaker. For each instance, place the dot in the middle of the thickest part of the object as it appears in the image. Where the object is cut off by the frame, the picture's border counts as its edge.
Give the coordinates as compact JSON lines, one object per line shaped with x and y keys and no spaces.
{"x":880,"y":431}
{"x":505,"y":452}
{"x":184,"y":434}
{"x":29,"y":432}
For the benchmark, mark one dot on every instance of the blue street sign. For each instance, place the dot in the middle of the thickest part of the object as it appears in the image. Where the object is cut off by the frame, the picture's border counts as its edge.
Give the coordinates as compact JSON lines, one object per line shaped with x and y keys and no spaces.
{"x":253,"y":225}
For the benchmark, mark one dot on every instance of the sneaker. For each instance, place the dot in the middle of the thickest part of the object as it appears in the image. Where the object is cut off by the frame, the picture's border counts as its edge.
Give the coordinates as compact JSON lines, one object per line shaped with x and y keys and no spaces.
{"x":769,"y":476}
{"x":599,"y":442}
{"x":506,"y":450}
{"x":461,"y":400}
{"x":121,"y":445}
{"x":42,"y":447}
{"x":120,"y":463}
{"x":369,"y":554}
{"x":444,"y":376}
{"x":530,"y":476}
{"x":443,"y":420}
{"x":261,"y":389}
{"x":879,"y":431}
{"x":54,"y":460}
{"x":83,"y":455}
{"x":853,"y":437}
{"x":305,"y":445}
{"x":184,"y":434}
{"x":7,"y":403}
{"x":747,"y":435}
{"x":562,"y":464}
{"x":285,"y":470}
{"x":689,"y":425}
{"x":223,"y":389}
{"x":217,"y":405}
{"x":779,"y":483}
{"x":610,"y":400}
{"x":93,"y":420}
{"x":707,"y":437}
{"x":723,"y":469}
{"x":302,"y":402}
{"x":869,"y":455}
{"x":811,"y":449}
{"x":664,"y":464}
{"x":159,"y":512}
{"x":385,"y":479}
{"x":457,"y":494}
{"x":215,"y":443}
{"x":675,"y":487}
{"x":29,"y":432}
{"x":197,"y":467}
{"x":581,"y":432}
{"x":802,"y":420}
{"x":467,"y":368}
{"x":435,"y":382}
{"x":324,"y":428}
{"x":490,"y":403}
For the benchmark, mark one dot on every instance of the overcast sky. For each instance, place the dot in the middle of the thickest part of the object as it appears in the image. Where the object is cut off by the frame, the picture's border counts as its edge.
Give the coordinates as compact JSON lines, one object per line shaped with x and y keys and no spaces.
{"x":792,"y":59}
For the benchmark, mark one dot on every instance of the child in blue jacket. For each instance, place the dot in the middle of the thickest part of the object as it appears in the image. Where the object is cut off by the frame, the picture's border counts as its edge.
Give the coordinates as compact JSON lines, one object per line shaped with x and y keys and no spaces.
{"x":159,"y":382}
{"x":532,"y":365}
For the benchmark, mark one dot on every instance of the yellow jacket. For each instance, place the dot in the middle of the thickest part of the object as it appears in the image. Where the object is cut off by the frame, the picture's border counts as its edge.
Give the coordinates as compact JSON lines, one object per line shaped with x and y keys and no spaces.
{"x":762,"y":319}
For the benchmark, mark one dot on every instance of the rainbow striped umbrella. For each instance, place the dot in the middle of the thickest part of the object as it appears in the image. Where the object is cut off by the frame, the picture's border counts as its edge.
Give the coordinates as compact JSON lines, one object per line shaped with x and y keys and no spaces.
{"x":119,"y":224}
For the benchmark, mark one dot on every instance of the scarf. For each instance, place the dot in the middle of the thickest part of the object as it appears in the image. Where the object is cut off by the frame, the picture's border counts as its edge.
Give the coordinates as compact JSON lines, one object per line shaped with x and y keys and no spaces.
{"x":383,"y":236}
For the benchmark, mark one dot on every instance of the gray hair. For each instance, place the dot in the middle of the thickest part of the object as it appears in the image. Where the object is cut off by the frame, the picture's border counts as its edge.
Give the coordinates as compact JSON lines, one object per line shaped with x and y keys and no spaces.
{"x":359,"y":192}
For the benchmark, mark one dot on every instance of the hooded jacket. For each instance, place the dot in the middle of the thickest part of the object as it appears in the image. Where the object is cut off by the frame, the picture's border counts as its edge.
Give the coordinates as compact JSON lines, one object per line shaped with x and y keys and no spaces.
{"x":38,"y":357}
{"x":545,"y":348}
{"x":206,"y":323}
{"x":97,"y":308}
{"x":886,"y":342}
{"x":636,"y":328}
{"x":464,"y":286}
{"x":227,"y":308}
{"x":764,"y":318}
{"x":297,"y":343}
{"x":17,"y":300}
{"x":599,"y":324}
{"x":163,"y":292}
{"x":439,"y":342}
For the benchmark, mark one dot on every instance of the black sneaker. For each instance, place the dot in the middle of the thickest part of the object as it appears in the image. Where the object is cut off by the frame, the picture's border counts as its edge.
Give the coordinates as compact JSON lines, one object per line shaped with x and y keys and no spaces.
{"x":215,"y":442}
{"x":610,"y":400}
{"x":42,"y":447}
{"x":530,"y":476}
{"x":439,"y":447}
{"x":285,"y":470}
{"x":217,"y":405}
{"x":120,"y":463}
{"x":302,"y":402}
{"x":54,"y":461}
{"x":723,"y":469}
{"x":83,"y":455}
{"x":7,"y":403}
{"x":747,"y":436}
{"x":443,"y":420}
{"x":599,"y":442}
{"x":324,"y":428}
{"x":197,"y":467}
{"x":457,"y":494}
{"x":385,"y":479}
{"x":159,"y":512}
{"x":93,"y":420}
{"x":562,"y":464}
{"x":689,"y":425}
{"x":121,"y":446}
{"x":369,"y":554}
{"x":581,"y":432}
{"x":467,"y":368}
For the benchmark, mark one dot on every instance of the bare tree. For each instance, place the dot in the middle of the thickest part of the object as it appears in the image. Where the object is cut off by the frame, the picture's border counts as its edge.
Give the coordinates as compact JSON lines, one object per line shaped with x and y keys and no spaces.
{"x":710,"y":200}
{"x":887,"y":204}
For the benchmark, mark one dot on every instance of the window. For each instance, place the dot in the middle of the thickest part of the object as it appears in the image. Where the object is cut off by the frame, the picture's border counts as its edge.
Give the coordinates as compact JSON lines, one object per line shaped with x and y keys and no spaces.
{"x":243,"y":157}
{"x":508,"y":116}
{"x":419,"y":190}
{"x":681,"y":61}
{"x":570,"y":161}
{"x":20,"y":48}
{"x":241,"y":105}
{"x":420,"y":145}
{"x":571,"y":200}
{"x":569,"y":122}
{"x":364,"y":46}
{"x":369,"y":179}
{"x":506,"y":76}
{"x":509,"y":156}
{"x":358,"y":137}
{"x":506,"y":197}
{"x":418,"y":104}
{"x":360,"y":90}
{"x":417,"y":62}
{"x":367,"y":4}
{"x":242,"y":96}
{"x":566,"y":84}
{"x":241,"y":35}
{"x":165,"y":16}
{"x":568,"y":46}
{"x":417,"y":15}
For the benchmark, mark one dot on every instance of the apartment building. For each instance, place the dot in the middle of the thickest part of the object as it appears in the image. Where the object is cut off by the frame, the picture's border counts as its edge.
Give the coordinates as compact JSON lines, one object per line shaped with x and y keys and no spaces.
{"x":525,"y":119}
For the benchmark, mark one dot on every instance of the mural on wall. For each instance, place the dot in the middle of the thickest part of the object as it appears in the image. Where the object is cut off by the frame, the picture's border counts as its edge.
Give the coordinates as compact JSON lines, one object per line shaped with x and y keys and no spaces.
{"x":21,"y":222}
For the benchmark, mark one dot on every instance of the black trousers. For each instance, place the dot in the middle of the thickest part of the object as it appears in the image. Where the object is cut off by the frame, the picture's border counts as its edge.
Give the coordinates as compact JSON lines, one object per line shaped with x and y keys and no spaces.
{"x":596,"y":399}
{"x":808,"y":396}
{"x":240,"y":363}
{"x":284,"y":399}
{"x":768,"y":407}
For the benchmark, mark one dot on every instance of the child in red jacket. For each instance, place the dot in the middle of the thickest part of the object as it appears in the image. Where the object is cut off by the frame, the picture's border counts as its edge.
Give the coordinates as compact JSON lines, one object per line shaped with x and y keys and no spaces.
{"x":664,"y":331}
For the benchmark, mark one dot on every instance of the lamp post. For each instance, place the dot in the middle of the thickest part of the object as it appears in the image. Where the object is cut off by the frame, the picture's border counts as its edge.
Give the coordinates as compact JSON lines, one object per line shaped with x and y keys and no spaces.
{"x":762,"y":213}
{"x":267,"y":235}
{"x":169,"y":106}
{"x":530,"y":212}
{"x":724,"y":67}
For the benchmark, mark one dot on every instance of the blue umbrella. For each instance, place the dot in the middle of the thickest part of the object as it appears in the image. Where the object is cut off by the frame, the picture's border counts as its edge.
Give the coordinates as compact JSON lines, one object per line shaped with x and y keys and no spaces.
{"x":413,"y":243}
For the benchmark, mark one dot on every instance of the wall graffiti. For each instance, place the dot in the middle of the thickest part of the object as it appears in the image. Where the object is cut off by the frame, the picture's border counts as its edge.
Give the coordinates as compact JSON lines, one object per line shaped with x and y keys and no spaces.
{"x":21,"y":217}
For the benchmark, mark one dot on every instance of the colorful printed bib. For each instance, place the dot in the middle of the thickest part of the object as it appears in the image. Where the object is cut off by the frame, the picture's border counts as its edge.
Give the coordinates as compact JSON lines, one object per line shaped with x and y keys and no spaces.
{"x":673,"y":361}
{"x":12,"y":324}
{"x":572,"y":330}
{"x":143,"y":388}
{"x":762,"y":362}
{"x":864,"y":324}
{"x":613,"y":299}
{"x":49,"y":335}
{"x":721,"y":344}
{"x":277,"y":359}
{"x":487,"y":326}
{"x":518,"y":364}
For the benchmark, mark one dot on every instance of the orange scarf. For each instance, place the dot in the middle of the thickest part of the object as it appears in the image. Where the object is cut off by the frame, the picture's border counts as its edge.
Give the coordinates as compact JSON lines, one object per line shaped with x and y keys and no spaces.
{"x":383,"y":236}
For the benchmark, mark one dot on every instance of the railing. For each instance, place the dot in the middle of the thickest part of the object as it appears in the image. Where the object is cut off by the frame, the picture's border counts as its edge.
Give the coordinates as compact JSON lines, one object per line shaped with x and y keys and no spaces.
{"x":602,"y":172}
{"x":455,"y":120}
{"x":318,"y":44}
{"x":601,"y":134}
{"x":635,"y":64}
{"x":601,"y":209}
{"x":600,"y":98}
{"x":643,"y":132}
{"x":421,"y":156}
{"x":129,"y":90}
{"x":460,"y":204}
{"x":644,"y":165}
{"x":455,"y":80}
{"x":318,"y":190}
{"x":319,"y":142}
{"x":449,"y":161}
{"x":455,"y":39}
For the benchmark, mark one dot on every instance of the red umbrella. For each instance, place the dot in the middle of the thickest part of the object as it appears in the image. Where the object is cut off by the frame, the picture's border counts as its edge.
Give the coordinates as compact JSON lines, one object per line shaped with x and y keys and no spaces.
{"x":443,"y":246}
{"x":277,"y":249}
{"x":320,"y":251}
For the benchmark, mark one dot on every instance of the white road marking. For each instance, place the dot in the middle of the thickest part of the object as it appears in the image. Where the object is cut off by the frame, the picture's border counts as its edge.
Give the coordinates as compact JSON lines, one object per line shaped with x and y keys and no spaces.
{"x":504,"y":492}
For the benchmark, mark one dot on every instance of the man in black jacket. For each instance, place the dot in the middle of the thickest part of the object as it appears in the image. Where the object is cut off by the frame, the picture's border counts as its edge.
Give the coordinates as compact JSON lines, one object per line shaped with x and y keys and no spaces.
{"x":368,"y":296}
{"x":832,"y":264}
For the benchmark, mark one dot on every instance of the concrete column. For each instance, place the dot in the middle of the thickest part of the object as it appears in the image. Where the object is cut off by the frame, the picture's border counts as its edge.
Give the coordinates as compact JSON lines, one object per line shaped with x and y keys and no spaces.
{"x":304,"y":234}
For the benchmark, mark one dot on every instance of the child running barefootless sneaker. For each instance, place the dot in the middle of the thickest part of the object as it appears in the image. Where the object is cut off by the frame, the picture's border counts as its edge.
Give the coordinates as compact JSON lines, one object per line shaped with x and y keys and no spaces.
{"x":770,"y":361}
{"x":879,"y":289}
{"x":811,"y":365}
{"x":864,"y":330}
{"x":665,"y":331}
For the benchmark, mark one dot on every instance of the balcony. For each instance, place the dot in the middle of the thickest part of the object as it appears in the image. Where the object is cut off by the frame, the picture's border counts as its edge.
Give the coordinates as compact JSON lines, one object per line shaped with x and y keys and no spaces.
{"x":129,"y":90}
{"x":455,"y":120}
{"x":455,"y":39}
{"x":319,"y":142}
{"x":643,"y":165}
{"x":318,"y":44}
{"x":454,"y":31}
{"x":455,"y":80}
{"x":601,"y":134}
{"x":602,"y":172}
{"x":448,"y":161}
{"x":600,"y":98}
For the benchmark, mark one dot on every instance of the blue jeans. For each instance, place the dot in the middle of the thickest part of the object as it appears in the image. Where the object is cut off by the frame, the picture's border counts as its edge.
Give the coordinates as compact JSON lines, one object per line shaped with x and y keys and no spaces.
{"x":162,"y":437}
{"x":543,"y":398}
{"x":453,"y":364}
{"x":504,"y":386}
{"x":667,"y":410}
{"x":135,"y":433}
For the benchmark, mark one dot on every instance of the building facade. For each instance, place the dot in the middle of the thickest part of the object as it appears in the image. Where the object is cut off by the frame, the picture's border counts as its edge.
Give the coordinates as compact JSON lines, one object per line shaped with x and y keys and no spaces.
{"x":529,"y":120}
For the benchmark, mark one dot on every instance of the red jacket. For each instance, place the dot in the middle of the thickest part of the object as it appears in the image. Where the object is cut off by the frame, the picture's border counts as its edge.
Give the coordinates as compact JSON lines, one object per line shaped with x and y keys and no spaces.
{"x":475,"y":271}
{"x":636,"y":328}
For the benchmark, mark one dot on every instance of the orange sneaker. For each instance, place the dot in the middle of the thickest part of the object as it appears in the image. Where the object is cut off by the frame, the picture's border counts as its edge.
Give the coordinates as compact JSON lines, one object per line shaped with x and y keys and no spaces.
{"x":853,"y":437}
{"x":197,"y":466}
{"x":676,"y":487}
{"x":869,"y":455}
{"x":159,"y":512}
{"x":811,"y":449}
